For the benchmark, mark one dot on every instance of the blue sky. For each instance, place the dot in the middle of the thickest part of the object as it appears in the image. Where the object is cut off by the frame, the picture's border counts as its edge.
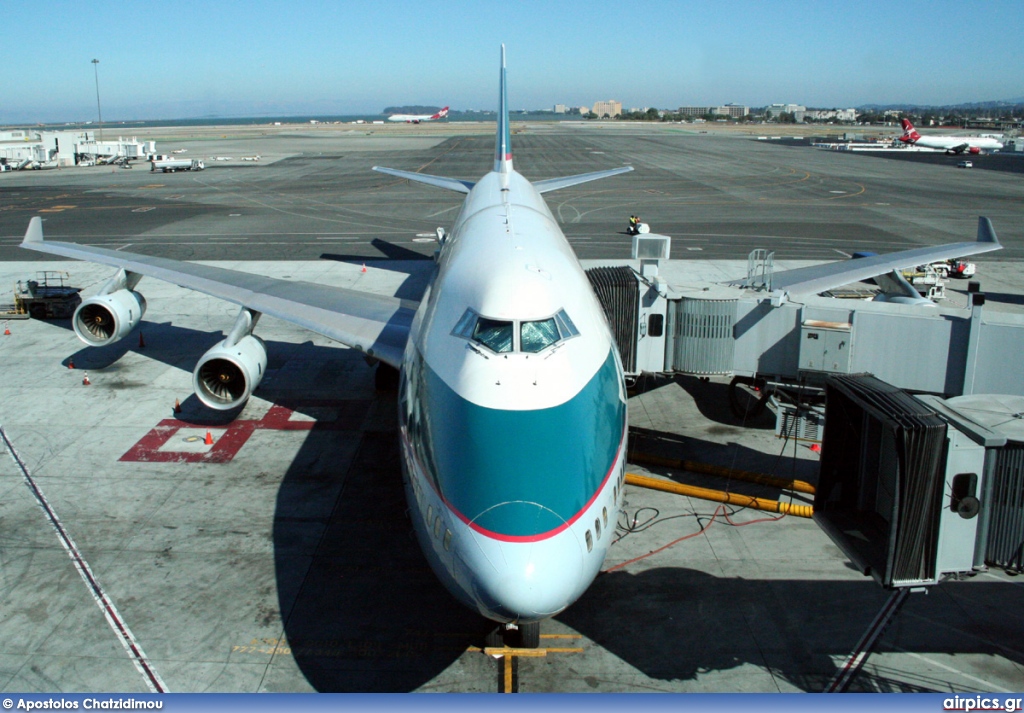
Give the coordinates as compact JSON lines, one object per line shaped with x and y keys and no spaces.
{"x":161,"y":59}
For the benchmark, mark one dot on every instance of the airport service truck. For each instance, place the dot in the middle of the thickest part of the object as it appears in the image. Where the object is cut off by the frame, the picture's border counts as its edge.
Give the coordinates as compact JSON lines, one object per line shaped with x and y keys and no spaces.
{"x":176,"y":164}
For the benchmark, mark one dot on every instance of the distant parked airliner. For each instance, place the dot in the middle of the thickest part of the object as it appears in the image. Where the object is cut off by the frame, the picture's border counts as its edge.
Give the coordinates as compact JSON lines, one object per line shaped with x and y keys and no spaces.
{"x":417,"y":118}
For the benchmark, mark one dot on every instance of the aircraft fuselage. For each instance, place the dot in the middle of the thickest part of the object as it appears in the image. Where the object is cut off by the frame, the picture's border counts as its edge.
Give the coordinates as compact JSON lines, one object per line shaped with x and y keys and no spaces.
{"x":512,"y":412}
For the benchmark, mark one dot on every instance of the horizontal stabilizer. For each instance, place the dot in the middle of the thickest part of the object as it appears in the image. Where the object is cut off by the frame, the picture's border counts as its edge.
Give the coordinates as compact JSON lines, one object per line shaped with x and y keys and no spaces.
{"x":818,"y":278}
{"x":553,"y":184}
{"x":452,"y":184}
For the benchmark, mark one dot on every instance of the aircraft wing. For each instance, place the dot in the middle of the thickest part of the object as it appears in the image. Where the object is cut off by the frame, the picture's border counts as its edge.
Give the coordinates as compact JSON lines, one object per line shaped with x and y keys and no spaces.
{"x":960,"y":148}
{"x":553,"y":184}
{"x":375,"y":324}
{"x":452,"y":184}
{"x":818,"y":278}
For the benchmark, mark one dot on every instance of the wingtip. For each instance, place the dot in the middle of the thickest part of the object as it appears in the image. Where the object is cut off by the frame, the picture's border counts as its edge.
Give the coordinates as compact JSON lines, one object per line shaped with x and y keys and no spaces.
{"x":986,"y":233}
{"x":34,"y":234}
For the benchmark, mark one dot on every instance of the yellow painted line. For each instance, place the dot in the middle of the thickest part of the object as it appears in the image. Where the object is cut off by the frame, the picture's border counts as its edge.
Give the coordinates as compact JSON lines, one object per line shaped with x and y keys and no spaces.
{"x":561,"y":636}
{"x":508,"y":651}
{"x":508,"y":675}
{"x":564,"y":650}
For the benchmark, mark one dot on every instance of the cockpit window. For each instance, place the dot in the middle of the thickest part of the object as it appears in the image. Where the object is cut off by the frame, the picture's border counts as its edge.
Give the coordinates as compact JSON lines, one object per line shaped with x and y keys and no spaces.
{"x":499,"y":335}
{"x":535,"y":336}
{"x":565,"y":326}
{"x":495,"y":334}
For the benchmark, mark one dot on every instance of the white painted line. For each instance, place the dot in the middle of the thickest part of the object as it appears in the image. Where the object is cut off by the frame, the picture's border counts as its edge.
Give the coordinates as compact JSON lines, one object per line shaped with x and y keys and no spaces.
{"x":844,"y":254}
{"x":121,"y":630}
{"x":985,"y":685}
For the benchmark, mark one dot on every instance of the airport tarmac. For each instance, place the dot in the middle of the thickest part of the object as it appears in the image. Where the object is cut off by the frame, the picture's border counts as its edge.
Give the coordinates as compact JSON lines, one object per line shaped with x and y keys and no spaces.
{"x":313,"y":196}
{"x":278,"y":558}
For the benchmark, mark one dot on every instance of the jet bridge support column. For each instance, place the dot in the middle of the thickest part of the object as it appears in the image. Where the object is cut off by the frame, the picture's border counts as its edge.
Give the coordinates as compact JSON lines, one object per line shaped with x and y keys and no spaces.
{"x":973,"y":340}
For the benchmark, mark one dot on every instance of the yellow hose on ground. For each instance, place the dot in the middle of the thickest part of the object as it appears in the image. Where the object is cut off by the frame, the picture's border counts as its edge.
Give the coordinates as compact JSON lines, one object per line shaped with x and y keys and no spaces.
{"x":797,"y":486}
{"x":646,"y":481}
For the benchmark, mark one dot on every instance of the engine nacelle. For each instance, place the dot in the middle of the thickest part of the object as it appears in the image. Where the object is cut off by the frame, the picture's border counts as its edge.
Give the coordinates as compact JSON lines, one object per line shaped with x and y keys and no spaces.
{"x":975,"y":150}
{"x":226,"y":375}
{"x":106,"y":318}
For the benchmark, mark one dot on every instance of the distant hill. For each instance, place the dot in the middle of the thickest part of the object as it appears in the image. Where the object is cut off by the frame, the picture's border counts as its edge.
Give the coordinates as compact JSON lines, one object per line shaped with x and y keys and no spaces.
{"x":412,"y":109}
{"x":967,"y":106}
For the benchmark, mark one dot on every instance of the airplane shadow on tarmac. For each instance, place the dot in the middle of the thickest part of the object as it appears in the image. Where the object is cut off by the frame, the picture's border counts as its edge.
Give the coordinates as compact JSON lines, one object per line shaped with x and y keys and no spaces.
{"x":360,"y":607}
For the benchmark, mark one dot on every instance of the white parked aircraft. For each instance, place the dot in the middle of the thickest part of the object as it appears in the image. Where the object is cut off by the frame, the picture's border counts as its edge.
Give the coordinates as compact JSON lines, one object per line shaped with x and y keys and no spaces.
{"x":949,"y":144}
{"x":417,"y":118}
{"x":512,"y":400}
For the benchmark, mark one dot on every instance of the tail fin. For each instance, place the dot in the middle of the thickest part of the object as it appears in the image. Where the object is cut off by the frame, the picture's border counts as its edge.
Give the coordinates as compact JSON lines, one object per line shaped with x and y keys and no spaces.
{"x":910,"y":134}
{"x":441,"y":114}
{"x":503,"y":144}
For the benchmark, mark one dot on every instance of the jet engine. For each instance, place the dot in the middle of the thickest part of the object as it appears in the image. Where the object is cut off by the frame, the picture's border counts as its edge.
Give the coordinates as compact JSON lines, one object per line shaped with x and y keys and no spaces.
{"x":227,"y":374}
{"x":106,"y":318}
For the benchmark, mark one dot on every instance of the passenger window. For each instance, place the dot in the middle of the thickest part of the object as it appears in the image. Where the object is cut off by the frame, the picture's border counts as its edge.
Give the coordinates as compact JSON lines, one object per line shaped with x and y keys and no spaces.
{"x":597,"y":528}
{"x":604,"y":516}
{"x":494,"y":334}
{"x":535,"y":336}
{"x":447,"y":540}
{"x":430,"y":513}
{"x":437,"y":526}
{"x":590,"y":542}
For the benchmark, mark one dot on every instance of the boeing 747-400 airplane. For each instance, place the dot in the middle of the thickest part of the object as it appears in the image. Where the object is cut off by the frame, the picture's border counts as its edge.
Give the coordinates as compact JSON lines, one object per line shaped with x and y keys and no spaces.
{"x":417,"y":118}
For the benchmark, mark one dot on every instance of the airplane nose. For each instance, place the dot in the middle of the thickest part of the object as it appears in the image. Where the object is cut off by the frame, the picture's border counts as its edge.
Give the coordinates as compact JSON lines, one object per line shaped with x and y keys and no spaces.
{"x":529,"y":580}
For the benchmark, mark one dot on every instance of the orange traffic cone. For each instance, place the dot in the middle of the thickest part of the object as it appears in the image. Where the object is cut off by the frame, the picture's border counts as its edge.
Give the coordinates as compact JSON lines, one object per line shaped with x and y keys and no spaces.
{"x":71,"y":362}
{"x":363,"y":270}
{"x":177,"y":406}
{"x":816,"y":447}
{"x":85,"y":379}
{"x":209,"y":438}
{"x":7,"y":328}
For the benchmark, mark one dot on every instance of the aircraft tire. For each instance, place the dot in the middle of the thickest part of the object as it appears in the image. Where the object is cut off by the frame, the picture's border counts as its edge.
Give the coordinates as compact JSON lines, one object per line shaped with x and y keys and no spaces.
{"x":495,"y":638}
{"x":529,"y":635}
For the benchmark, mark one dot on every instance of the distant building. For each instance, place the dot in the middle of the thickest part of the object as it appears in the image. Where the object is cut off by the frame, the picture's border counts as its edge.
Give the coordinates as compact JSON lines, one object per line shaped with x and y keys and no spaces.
{"x":610,"y":107}
{"x":831,"y":114}
{"x":735,"y":111}
{"x":561,"y":109}
{"x":775,"y":109}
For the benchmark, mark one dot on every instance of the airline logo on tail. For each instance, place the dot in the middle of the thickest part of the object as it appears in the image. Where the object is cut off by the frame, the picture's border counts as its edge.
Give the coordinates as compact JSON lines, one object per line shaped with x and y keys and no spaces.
{"x":910,"y":134}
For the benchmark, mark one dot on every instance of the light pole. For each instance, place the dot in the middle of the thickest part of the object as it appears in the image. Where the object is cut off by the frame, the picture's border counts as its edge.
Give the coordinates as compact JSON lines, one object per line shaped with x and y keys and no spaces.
{"x":99,"y":111}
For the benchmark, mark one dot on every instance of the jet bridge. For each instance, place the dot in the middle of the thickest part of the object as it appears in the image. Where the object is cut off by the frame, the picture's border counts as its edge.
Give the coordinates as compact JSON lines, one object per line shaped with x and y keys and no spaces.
{"x":915,"y":490}
{"x":707,"y":329}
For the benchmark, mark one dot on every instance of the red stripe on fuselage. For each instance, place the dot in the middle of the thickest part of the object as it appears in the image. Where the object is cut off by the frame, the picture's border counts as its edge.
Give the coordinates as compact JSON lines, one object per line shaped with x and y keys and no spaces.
{"x":516,"y":538}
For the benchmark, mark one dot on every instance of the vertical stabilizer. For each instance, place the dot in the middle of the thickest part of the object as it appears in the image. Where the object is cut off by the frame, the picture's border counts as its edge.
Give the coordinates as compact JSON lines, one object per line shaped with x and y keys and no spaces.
{"x":503,"y":144}
{"x":910,"y":134}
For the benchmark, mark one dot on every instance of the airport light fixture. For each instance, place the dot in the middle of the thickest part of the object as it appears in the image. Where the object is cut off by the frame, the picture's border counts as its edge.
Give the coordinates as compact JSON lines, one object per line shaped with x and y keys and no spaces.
{"x":99,"y":111}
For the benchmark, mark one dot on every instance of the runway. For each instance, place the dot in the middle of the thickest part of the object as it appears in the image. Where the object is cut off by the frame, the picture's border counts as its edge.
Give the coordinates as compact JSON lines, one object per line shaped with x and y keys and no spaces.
{"x":279,"y":557}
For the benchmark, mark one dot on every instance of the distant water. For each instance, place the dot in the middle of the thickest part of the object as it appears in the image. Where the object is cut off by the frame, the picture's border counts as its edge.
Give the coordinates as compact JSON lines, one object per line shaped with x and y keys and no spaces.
{"x":270,"y":120}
